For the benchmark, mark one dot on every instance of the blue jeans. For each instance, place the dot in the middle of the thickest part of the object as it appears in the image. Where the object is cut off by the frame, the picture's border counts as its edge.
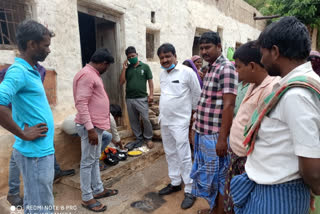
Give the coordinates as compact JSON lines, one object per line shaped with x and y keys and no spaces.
{"x":106,"y":139}
{"x":90,"y":180}
{"x":37,"y":174}
{"x":14,"y":175}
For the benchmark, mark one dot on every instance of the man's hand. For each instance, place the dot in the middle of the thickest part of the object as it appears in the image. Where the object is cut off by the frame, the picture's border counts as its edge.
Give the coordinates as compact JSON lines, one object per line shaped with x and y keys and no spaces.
{"x":122,"y":78}
{"x":221,"y":148}
{"x":125,"y":65}
{"x":93,"y":137}
{"x":120,"y":145}
{"x":201,"y":74}
{"x":34,"y":132}
{"x":309,"y":169}
{"x":150,"y":99}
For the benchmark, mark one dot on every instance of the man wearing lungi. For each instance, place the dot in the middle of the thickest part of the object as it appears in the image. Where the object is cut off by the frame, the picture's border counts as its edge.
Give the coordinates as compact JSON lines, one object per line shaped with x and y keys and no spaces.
{"x":282,"y":139}
{"x":213,"y":122}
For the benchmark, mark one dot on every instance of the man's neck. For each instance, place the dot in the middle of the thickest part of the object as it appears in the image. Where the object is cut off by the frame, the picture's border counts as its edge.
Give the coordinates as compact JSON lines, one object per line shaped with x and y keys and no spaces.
{"x":215,"y":59}
{"x":290,"y":65}
{"x":259,"y":79}
{"x":94,"y":66}
{"x":136,"y":65}
{"x":28,"y":59}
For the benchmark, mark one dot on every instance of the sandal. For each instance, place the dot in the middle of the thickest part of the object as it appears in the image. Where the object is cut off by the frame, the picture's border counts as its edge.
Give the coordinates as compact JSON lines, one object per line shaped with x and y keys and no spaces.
{"x":107,"y":193}
{"x":91,"y":206}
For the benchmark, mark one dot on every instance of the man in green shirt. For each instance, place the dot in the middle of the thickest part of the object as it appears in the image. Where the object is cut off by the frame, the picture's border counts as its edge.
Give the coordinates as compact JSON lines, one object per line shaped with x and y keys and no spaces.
{"x":136,"y":74}
{"x":242,"y":90}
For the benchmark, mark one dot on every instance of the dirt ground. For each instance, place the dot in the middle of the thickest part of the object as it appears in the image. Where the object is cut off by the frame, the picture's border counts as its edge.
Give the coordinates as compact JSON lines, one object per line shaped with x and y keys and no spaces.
{"x":137,"y":195}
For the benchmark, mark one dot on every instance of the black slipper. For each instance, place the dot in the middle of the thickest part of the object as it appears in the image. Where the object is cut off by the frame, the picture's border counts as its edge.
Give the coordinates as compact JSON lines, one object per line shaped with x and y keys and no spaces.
{"x":91,"y":206}
{"x":130,"y":145}
{"x":108,"y":193}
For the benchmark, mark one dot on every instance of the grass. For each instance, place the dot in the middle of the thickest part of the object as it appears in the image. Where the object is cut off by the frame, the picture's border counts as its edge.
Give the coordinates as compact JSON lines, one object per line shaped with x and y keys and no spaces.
{"x":317,"y":206}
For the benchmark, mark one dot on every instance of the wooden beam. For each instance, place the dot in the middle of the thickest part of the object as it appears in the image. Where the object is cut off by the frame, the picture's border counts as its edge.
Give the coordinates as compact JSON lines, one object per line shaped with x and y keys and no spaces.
{"x":265,"y":17}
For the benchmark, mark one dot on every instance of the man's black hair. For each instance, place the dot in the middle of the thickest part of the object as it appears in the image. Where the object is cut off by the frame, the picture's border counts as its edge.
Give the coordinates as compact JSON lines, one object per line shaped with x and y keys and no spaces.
{"x":290,"y":35}
{"x":30,"y":30}
{"x":166,"y":48}
{"x":115,"y":110}
{"x":248,"y":52}
{"x":102,"y":55}
{"x":210,"y":37}
{"x":130,"y":50}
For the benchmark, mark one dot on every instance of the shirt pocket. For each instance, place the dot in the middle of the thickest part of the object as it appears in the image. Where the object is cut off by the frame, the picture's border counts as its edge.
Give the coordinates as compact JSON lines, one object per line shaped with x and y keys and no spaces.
{"x":176,"y":88}
{"x":173,"y":88}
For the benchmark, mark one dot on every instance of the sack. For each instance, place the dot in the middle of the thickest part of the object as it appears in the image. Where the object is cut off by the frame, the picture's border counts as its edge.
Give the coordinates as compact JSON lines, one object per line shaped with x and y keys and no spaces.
{"x":69,"y":126}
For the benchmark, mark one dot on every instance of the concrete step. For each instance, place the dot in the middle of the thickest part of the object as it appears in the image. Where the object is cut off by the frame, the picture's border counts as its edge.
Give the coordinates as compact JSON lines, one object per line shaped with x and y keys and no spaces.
{"x":125,"y":168}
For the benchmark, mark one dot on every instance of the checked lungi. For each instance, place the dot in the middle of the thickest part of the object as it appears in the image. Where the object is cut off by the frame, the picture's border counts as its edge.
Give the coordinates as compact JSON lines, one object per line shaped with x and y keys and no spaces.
{"x":208,"y":170}
{"x":292,"y":197}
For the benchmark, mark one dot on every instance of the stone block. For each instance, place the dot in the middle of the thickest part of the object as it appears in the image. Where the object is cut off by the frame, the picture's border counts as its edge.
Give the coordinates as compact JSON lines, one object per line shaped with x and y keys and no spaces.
{"x":154,"y":120}
{"x":156,"y":127}
{"x":152,"y":113}
{"x":155,"y":109}
{"x":157,"y":135}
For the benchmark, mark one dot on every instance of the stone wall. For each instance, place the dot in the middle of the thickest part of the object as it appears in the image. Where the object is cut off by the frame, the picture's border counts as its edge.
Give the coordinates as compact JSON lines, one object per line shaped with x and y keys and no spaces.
{"x":176,"y":22}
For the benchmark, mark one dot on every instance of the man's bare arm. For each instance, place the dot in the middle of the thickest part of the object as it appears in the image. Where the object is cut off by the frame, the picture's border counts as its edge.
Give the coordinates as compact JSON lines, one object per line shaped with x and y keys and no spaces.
{"x":310,"y":171}
{"x":29,"y":133}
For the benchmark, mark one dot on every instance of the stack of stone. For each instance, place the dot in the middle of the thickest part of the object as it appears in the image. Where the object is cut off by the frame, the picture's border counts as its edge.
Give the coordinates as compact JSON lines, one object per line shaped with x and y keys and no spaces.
{"x":153,"y":115}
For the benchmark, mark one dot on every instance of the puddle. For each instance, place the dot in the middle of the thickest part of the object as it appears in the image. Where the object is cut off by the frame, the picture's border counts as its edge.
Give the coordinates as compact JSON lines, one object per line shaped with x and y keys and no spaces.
{"x":151,"y":202}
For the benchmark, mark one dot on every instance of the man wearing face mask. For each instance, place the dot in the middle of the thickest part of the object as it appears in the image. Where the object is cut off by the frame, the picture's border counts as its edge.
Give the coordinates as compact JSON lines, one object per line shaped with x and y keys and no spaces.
{"x":136,"y":74}
{"x":180,"y":92}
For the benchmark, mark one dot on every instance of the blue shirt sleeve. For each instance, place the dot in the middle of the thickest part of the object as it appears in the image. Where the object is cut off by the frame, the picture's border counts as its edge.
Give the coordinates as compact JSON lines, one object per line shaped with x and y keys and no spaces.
{"x":14,"y":81}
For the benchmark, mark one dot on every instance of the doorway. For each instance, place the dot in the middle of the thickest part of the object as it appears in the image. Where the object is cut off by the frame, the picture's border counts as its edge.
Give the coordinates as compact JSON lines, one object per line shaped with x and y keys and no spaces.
{"x":95,"y":33}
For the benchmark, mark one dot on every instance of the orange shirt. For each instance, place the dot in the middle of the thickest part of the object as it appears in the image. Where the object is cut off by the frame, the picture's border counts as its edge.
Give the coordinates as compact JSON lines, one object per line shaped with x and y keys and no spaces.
{"x":250,"y":102}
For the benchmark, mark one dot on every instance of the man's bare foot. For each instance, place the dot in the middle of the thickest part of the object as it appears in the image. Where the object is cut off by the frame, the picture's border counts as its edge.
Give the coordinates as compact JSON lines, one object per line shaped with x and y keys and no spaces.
{"x":150,"y":144}
{"x":106,"y":193}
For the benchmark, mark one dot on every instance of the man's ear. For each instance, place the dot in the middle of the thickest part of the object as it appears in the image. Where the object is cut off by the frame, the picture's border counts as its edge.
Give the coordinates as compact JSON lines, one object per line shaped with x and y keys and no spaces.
{"x":31,"y":45}
{"x":253,"y":66}
{"x":275,"y":53}
{"x":219,"y":46}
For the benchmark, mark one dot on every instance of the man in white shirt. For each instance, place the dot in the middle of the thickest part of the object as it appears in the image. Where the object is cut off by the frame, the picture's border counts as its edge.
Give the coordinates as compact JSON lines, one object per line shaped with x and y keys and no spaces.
{"x":284,"y":164}
{"x":180,"y":92}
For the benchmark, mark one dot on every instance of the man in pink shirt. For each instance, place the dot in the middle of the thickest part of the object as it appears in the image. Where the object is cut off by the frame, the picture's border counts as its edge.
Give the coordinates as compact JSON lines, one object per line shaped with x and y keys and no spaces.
{"x":92,"y":104}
